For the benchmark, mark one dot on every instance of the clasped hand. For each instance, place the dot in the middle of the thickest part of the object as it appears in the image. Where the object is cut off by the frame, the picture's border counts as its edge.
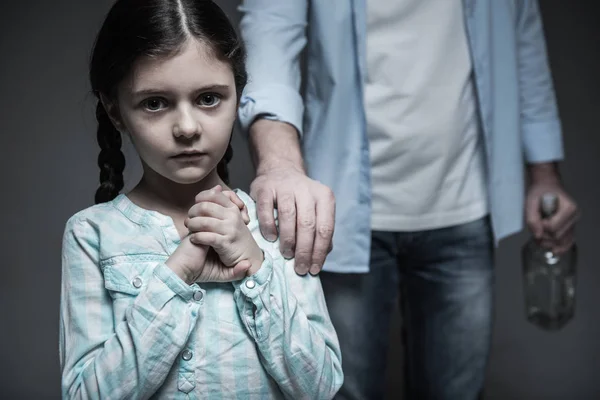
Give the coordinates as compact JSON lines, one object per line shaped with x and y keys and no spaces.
{"x":219,"y":247}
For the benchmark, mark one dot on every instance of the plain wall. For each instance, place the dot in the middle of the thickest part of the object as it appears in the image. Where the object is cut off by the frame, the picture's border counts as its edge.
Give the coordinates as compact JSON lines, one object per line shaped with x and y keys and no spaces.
{"x":48,"y":167}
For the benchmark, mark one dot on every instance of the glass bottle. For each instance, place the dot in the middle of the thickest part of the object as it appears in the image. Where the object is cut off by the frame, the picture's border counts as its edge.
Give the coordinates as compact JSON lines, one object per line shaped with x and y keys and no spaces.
{"x":549,"y":279}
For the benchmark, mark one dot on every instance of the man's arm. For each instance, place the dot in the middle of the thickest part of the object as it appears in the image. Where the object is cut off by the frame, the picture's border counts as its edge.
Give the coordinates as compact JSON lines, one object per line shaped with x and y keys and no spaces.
{"x":275,"y":36}
{"x":275,"y":144}
{"x":541,"y":133}
{"x":271,"y":111}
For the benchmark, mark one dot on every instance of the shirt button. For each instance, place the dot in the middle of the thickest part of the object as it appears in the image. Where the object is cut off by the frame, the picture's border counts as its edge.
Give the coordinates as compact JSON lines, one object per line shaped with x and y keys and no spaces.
{"x":187,"y":355}
{"x":198,"y":296}
{"x":250,"y":284}
{"x":137,"y":282}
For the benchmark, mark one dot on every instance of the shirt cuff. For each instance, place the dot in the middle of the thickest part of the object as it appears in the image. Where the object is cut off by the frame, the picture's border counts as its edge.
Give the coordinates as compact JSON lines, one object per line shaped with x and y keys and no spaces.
{"x":177,"y":286}
{"x":542,"y":141}
{"x":251,"y":286}
{"x":276,"y":102}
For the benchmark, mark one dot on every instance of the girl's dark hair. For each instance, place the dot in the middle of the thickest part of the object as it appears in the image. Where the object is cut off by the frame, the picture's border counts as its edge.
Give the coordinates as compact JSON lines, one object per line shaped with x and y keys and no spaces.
{"x":153,"y":28}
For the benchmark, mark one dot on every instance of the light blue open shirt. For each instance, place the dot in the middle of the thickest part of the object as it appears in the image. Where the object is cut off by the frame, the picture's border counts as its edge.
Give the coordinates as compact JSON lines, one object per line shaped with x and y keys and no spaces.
{"x":515,"y":94}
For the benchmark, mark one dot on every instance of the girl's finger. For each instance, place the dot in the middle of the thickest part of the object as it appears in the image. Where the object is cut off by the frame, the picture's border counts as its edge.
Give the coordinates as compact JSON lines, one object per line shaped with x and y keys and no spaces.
{"x":240,"y":270}
{"x":205,"y":224}
{"x":206,"y":238}
{"x":231,"y":195}
{"x":213,"y":196}
{"x":208,"y":209}
{"x":239,"y":204}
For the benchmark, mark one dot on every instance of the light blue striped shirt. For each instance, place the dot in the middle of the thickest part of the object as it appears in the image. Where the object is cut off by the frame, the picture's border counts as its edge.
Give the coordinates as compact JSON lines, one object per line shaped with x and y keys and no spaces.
{"x":131,"y":329}
{"x":516,"y":102}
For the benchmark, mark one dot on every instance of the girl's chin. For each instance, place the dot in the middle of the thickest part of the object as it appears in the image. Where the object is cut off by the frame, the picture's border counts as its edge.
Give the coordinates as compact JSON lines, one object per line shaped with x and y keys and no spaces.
{"x":188,"y":177}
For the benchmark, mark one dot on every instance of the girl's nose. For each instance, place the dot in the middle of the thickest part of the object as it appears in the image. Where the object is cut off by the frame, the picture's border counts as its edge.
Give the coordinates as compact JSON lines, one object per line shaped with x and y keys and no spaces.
{"x":186,"y":126}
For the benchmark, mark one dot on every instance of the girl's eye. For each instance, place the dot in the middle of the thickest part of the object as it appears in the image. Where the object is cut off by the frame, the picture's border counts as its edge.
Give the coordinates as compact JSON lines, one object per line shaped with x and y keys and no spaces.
{"x":209,"y":100}
{"x":154,"y":104}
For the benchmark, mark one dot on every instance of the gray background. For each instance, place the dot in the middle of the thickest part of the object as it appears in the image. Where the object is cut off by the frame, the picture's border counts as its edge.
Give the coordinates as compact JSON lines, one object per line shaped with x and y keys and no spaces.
{"x":48,"y":167}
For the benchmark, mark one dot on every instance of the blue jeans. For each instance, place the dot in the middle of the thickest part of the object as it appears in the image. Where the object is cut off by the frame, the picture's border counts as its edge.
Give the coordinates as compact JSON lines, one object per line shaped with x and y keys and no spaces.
{"x":445,"y":281}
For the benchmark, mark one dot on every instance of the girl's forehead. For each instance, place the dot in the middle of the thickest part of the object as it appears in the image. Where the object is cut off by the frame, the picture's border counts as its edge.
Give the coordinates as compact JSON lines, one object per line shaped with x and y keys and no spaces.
{"x":195,"y":64}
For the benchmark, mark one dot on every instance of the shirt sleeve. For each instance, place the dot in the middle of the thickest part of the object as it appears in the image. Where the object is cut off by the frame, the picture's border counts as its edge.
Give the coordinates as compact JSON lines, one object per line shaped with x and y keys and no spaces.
{"x":287,"y":316}
{"x":540,"y":122}
{"x":106,"y":359}
{"x":275,"y":35}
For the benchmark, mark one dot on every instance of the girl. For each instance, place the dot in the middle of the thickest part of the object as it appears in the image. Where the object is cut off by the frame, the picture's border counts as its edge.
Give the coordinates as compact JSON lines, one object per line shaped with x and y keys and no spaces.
{"x":166,"y":292}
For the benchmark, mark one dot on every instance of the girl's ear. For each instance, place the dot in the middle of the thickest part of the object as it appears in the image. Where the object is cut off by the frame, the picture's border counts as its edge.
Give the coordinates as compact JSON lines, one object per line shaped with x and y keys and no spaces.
{"x":113,"y":113}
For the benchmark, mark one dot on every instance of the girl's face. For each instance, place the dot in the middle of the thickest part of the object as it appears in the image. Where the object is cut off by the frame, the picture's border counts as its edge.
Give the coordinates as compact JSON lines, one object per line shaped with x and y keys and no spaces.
{"x":179,"y":112}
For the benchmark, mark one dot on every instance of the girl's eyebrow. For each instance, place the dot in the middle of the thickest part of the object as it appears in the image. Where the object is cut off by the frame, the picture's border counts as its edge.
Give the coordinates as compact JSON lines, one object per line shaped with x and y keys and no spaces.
{"x":151,"y":91}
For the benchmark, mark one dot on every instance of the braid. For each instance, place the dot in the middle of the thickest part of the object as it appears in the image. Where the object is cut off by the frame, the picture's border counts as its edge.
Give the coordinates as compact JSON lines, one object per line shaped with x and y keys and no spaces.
{"x":222,"y":169}
{"x":110,"y":160}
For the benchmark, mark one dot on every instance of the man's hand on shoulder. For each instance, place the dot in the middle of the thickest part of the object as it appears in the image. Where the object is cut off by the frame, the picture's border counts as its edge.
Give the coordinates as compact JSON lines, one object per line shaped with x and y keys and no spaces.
{"x":305,"y":207}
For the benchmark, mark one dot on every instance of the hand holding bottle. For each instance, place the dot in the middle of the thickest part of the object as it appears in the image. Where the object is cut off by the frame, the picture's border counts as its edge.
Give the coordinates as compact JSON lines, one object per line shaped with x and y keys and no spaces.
{"x":557,"y":232}
{"x":549,"y":277}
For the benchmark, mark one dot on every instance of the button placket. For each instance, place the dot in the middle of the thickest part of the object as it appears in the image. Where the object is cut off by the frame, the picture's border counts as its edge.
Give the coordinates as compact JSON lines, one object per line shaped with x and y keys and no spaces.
{"x":187,"y":377}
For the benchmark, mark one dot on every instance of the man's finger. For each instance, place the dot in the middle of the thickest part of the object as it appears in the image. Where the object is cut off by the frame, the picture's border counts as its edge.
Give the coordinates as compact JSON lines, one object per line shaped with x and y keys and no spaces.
{"x":561,"y":229}
{"x":264,"y":210}
{"x":305,"y":233}
{"x":563,"y":247}
{"x":546,"y":244}
{"x":534,"y":218}
{"x":286,"y":214}
{"x":559,"y":246}
{"x":323,"y":233}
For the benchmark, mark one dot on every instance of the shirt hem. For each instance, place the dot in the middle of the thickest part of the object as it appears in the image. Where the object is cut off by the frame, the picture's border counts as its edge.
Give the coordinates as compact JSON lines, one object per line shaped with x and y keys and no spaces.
{"x":404,"y":223}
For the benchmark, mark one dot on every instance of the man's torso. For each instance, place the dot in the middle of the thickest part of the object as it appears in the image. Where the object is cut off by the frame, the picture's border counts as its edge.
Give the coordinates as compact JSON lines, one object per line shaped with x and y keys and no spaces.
{"x":424,"y":136}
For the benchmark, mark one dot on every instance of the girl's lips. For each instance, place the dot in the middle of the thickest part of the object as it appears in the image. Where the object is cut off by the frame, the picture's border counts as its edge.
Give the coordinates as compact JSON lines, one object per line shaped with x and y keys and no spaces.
{"x":188,"y":156}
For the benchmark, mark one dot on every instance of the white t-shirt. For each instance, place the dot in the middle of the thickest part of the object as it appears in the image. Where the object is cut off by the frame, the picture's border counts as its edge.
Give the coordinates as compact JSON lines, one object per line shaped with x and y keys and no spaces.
{"x":426,"y":148}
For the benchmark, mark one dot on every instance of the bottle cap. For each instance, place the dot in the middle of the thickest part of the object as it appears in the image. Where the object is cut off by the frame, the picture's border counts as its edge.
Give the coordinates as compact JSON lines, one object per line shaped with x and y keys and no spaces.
{"x":549,"y":204}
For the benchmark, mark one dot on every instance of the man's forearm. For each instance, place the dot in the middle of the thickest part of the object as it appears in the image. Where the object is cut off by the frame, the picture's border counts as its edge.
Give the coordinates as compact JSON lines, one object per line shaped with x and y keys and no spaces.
{"x":275,"y":144}
{"x":543,"y":172}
